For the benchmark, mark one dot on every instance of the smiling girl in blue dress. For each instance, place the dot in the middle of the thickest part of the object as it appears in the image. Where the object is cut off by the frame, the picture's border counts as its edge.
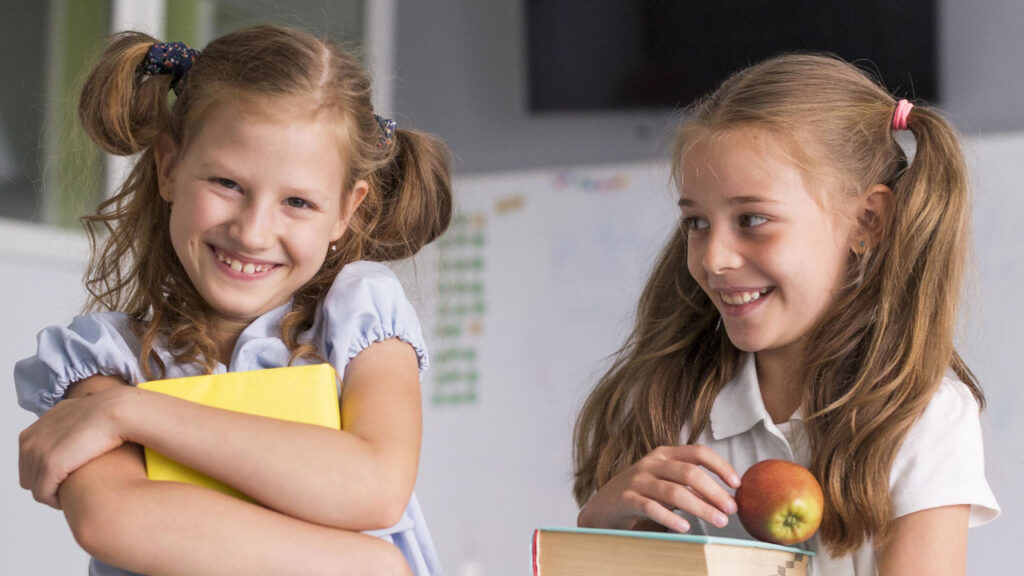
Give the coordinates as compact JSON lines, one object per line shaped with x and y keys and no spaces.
{"x":248,"y":235}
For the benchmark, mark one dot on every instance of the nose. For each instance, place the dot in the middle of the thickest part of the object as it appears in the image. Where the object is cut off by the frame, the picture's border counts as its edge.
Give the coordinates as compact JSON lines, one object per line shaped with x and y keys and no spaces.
{"x":253,"y":226}
{"x":720,"y":251}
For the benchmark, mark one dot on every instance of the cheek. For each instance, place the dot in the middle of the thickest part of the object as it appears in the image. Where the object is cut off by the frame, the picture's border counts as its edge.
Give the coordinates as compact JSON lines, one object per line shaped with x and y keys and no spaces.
{"x":178,"y":229}
{"x":693,"y":261}
{"x":311,"y":247}
{"x":832,"y":266}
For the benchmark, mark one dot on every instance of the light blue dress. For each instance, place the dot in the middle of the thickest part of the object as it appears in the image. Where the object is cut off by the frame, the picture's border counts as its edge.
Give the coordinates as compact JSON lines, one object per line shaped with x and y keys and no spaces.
{"x":365,"y":304}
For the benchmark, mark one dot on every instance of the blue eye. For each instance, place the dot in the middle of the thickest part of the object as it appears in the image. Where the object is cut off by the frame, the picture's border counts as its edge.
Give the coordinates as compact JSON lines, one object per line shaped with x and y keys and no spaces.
{"x":295,"y":202}
{"x":226,"y":183}
{"x":752,"y":220}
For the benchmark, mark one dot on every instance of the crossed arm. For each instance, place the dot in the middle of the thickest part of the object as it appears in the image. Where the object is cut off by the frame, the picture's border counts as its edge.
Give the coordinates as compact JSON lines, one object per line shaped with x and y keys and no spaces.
{"x":356,"y":479}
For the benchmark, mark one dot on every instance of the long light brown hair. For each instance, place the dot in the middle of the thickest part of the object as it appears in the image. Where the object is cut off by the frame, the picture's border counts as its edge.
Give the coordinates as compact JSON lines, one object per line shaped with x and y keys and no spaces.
{"x":134,"y":269}
{"x":878,"y":353}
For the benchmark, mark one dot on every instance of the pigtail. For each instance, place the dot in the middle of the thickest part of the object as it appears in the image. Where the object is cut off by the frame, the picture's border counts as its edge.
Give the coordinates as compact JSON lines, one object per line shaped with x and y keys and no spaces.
{"x":882,"y":350}
{"x":121,"y":108}
{"x":409,"y":204}
{"x":415,"y":202}
{"x":133,"y":267}
{"x":933,"y":221}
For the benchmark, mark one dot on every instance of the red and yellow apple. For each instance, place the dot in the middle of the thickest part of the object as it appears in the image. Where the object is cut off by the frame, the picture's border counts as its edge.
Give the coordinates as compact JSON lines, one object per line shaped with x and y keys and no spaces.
{"x":779,"y":502}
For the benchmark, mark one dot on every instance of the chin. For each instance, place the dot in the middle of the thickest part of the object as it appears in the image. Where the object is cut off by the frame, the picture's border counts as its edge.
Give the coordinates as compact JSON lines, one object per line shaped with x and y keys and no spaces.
{"x":238,"y":311}
{"x":744,"y":342}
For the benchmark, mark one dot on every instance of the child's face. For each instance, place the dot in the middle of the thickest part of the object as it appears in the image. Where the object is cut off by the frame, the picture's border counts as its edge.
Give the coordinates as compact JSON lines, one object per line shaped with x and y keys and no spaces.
{"x":767,"y":253}
{"x":256,"y":202}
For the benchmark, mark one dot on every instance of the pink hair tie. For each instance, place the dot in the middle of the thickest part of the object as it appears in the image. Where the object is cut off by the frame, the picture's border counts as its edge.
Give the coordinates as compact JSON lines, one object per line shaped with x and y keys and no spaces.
{"x":899,"y":117}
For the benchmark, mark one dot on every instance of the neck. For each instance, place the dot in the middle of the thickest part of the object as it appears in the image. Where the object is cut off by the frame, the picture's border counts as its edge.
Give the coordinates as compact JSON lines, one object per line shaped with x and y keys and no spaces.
{"x":226,"y":336}
{"x":780,"y":392}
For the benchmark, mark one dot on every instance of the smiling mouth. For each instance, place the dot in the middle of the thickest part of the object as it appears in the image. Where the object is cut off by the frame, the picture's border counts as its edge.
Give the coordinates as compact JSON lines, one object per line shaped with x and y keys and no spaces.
{"x":241,"y":266}
{"x":743,"y":297}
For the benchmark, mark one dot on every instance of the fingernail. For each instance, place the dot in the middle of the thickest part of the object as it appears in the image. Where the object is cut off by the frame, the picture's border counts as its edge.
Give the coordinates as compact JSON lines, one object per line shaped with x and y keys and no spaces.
{"x":735,"y":481}
{"x":730,"y":507}
{"x":720,"y":520}
{"x":682,"y":526}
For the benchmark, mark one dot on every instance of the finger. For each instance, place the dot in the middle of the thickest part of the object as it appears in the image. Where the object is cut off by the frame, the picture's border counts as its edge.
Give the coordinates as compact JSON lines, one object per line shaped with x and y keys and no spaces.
{"x":682,"y":496}
{"x":700,"y":484}
{"x":706,"y":457}
{"x":659,"y":513}
{"x":46,"y":493}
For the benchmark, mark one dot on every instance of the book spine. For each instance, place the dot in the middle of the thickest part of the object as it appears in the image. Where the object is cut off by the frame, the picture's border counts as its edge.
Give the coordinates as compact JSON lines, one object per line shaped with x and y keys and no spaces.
{"x":536,"y":552}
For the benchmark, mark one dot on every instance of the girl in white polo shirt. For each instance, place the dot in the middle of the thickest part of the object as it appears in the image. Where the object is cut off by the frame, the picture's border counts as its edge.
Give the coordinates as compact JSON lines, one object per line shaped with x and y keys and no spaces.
{"x":804,"y":310}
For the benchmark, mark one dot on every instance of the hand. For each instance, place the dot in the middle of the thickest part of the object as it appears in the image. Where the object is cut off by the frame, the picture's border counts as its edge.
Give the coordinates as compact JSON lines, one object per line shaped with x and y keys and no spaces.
{"x":73,"y":432}
{"x":666,"y":479}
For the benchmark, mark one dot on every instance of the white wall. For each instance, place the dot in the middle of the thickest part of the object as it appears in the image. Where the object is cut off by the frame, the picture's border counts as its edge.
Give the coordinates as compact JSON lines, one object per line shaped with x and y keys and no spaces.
{"x":41,"y":270}
{"x":993,"y":341}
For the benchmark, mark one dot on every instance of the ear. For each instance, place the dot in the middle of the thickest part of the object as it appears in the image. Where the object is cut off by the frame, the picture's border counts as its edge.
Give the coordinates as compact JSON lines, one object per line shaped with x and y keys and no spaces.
{"x":348,"y":208}
{"x":874,"y":212}
{"x":165,"y":155}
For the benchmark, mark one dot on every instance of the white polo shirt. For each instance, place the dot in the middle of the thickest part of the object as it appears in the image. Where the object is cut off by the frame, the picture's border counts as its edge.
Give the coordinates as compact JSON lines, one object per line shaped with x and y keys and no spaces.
{"x":940,"y":463}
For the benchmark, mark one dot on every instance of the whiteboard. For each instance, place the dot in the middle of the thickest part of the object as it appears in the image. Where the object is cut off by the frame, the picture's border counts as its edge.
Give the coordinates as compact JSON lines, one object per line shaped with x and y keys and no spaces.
{"x":992,"y":339}
{"x":556,"y":261}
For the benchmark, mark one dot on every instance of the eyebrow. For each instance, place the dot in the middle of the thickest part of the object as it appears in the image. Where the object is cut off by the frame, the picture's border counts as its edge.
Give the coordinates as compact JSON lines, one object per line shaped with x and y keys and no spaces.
{"x":734,"y":201}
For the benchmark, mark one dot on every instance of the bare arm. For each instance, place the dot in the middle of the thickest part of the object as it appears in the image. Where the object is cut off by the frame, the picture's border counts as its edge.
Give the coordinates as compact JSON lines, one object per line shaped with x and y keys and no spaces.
{"x":122,"y":518}
{"x":168,"y":528}
{"x":359,"y":478}
{"x":931,"y":542}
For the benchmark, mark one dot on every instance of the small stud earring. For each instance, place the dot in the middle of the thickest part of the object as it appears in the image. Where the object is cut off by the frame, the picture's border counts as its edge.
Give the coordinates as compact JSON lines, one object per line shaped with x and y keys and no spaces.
{"x":861,"y":243}
{"x":334,"y":247}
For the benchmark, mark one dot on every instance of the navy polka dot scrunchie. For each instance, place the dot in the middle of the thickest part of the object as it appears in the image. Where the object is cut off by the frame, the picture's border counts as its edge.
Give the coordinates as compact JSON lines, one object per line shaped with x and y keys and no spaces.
{"x":387,"y":130}
{"x":174,"y":58}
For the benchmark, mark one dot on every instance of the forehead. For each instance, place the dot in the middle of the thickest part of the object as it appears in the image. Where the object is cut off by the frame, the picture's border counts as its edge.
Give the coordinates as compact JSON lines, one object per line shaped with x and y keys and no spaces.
{"x":226,"y":105}
{"x":268,"y":121}
{"x":748,"y":159}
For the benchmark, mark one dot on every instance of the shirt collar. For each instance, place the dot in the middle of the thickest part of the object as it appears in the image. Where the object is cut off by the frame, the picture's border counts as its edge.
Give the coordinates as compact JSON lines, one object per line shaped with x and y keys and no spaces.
{"x":739,"y":405}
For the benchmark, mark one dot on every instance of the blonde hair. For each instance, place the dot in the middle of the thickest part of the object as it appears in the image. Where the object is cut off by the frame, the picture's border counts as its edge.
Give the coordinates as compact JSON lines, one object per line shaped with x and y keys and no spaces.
{"x":877,"y":354}
{"x":134,"y":268}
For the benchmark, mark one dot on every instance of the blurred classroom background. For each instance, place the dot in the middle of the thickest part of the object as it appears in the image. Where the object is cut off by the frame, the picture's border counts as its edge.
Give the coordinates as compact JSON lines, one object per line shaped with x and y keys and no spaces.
{"x":559,"y":115}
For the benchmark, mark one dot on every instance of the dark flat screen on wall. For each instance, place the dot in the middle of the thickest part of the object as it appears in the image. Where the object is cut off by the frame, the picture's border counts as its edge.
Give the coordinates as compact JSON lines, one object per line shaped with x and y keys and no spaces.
{"x":589,"y":55}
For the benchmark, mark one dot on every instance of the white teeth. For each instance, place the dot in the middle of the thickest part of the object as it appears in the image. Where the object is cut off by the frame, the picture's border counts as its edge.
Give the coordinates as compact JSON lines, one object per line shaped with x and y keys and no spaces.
{"x":239,"y":266}
{"x":740,"y":298}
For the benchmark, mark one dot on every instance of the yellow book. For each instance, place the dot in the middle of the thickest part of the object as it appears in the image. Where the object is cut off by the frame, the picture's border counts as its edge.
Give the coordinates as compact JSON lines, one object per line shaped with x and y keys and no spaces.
{"x":596,"y":552}
{"x":307,"y":394}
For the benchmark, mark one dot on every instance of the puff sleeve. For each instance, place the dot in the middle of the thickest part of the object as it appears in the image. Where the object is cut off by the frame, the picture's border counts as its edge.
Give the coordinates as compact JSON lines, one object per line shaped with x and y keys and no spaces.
{"x":941,"y":461}
{"x":90,"y":345}
{"x":366,"y":304}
